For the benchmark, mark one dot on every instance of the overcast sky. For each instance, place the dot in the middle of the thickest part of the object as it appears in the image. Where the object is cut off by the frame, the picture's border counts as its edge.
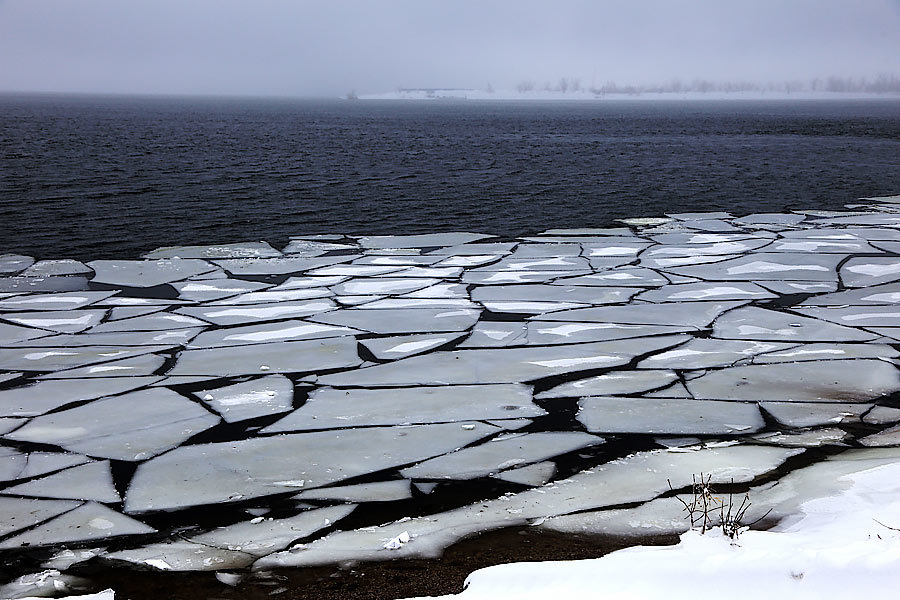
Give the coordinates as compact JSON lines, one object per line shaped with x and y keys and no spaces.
{"x":297,"y":47}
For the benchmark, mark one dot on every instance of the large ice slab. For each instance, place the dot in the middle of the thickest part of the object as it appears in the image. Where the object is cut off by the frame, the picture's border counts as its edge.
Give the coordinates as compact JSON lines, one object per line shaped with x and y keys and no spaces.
{"x":216,"y":289}
{"x":90,"y":521}
{"x":813,"y":414}
{"x":691,"y":292}
{"x":268,"y":395}
{"x":19,"y":513}
{"x":625,"y":276}
{"x":273,"y":357}
{"x":55,"y":358}
{"x":238,"y":250}
{"x":52,"y":302}
{"x":692,"y":314}
{"x":704,"y":353}
{"x":543,"y":333}
{"x":136,"y":366}
{"x":420,"y":241}
{"x":229,"y":471}
{"x":380,"y":491}
{"x":509,"y":365}
{"x":763,"y":266}
{"x":504,"y":452}
{"x":329,"y":408}
{"x":552,"y":293}
{"x":856,"y":316}
{"x":868,"y":271}
{"x":63,"y":321}
{"x":671,"y":416}
{"x":243,"y":267}
{"x":280,"y":331}
{"x":90,"y":481}
{"x":825,"y":351}
{"x":814,"y":381}
{"x":146,"y":273}
{"x":390,"y":348}
{"x":754,"y":323}
{"x":402,"y":320}
{"x":44,"y":396}
{"x":257,"y":313}
{"x":130,"y":427}
{"x":612,"y":383}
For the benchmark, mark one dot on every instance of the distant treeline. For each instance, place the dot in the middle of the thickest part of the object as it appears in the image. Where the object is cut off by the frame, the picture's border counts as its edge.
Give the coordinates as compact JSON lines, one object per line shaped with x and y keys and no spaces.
{"x":879,"y":85}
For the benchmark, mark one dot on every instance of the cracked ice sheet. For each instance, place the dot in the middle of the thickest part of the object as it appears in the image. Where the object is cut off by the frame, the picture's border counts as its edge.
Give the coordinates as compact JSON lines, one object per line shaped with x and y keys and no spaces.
{"x":670,"y":416}
{"x":216,"y":289}
{"x":389,"y":348}
{"x":867,"y":271}
{"x":639,"y":477}
{"x":691,"y":314}
{"x":146,"y":273}
{"x":503,"y":452}
{"x":254,"y":313}
{"x":40,"y":463}
{"x":44,"y":396}
{"x":402,"y":320}
{"x":61,"y":301}
{"x":281,"y":331}
{"x":768,"y":266}
{"x":273,"y":357}
{"x":329,"y":408}
{"x":229,"y":471}
{"x":268,"y":395}
{"x":754,"y":323}
{"x":610,"y":384}
{"x":65,"y":321}
{"x":380,"y":491}
{"x":704,"y":353}
{"x":234,"y":546}
{"x":54,"y":268}
{"x":510,"y":365}
{"x":90,"y":521}
{"x":814,"y":381}
{"x":130,"y":427}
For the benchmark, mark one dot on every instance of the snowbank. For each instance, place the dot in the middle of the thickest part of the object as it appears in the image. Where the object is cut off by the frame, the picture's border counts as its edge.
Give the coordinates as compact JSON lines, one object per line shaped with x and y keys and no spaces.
{"x":834,"y":542}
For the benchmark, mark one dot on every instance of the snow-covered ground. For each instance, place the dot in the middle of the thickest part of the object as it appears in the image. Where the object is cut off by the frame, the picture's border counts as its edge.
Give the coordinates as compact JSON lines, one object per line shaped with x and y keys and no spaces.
{"x":839,"y":545}
{"x":585,"y":95}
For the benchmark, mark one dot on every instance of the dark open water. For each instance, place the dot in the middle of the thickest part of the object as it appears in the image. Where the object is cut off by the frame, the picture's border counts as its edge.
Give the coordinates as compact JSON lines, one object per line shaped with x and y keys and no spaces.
{"x":95,"y":177}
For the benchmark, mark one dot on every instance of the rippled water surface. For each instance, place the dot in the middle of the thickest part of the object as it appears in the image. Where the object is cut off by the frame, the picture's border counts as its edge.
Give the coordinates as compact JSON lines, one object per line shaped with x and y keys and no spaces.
{"x":91,"y":177}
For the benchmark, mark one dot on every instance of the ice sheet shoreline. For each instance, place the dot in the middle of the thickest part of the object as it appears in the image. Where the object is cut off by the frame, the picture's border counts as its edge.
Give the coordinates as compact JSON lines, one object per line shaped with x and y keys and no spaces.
{"x":587,"y":96}
{"x":567,"y":374}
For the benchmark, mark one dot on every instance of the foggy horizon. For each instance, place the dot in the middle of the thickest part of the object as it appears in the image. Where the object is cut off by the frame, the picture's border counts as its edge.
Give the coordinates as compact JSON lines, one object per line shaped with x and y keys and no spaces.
{"x":318,"y":49}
